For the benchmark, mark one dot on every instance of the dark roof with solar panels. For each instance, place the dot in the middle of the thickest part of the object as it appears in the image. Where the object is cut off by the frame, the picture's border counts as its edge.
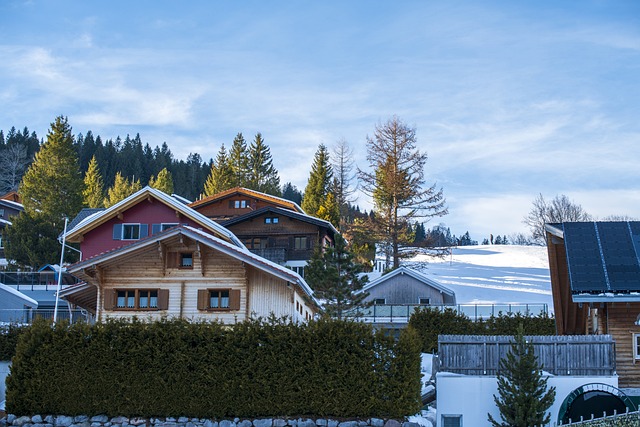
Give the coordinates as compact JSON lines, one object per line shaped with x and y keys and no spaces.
{"x":603,"y":259}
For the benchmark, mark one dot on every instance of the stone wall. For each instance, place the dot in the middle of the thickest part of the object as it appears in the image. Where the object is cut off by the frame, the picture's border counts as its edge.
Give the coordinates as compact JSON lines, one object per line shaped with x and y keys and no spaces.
{"x":104,"y":421}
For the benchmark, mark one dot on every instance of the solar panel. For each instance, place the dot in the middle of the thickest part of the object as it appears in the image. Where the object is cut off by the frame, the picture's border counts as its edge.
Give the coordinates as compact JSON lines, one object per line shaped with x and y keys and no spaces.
{"x":603,"y":256}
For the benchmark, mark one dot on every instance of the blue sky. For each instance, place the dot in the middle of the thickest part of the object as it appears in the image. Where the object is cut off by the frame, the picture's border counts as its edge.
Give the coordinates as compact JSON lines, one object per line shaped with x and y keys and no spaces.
{"x":509,"y":99}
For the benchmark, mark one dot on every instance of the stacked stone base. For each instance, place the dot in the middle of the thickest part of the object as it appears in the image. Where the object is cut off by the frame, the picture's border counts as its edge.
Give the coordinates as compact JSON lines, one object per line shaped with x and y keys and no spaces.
{"x":104,"y":421}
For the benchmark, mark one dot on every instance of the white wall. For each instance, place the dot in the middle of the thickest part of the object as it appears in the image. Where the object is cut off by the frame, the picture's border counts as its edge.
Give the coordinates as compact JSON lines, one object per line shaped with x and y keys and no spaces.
{"x":472,"y":396}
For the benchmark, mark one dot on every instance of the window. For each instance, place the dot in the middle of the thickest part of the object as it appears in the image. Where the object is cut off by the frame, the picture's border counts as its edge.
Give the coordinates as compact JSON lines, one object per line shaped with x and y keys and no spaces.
{"x":271,"y":220}
{"x":157,"y":228}
{"x":137,"y":299}
{"x":130,"y":231}
{"x":1,"y":241}
{"x":424,"y":301}
{"x":452,"y":421}
{"x":186,"y":260}
{"x":1,"y":213}
{"x":218,"y":299}
{"x":379,"y":301}
{"x":636,"y":346}
{"x":240,"y":204}
{"x":300,"y":242}
{"x":180,"y":260}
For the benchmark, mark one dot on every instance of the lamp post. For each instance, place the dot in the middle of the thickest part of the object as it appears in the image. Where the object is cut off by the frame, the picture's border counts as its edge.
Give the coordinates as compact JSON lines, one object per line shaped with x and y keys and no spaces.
{"x":64,"y":237}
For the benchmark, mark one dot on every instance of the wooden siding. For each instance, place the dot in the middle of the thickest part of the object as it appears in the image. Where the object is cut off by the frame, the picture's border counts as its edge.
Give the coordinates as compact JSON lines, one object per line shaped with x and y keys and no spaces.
{"x":620,"y":318}
{"x":219,"y":210}
{"x":576,"y":355}
{"x":404,"y":289}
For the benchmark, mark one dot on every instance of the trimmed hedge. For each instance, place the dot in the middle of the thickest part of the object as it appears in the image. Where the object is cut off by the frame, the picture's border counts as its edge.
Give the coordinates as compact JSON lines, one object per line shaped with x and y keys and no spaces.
{"x":9,"y":335}
{"x":206,"y":370}
{"x":430,"y":322}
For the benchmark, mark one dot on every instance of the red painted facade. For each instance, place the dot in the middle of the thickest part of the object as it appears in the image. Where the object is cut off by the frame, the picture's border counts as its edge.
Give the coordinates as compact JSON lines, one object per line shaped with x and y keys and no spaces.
{"x":100,"y":239}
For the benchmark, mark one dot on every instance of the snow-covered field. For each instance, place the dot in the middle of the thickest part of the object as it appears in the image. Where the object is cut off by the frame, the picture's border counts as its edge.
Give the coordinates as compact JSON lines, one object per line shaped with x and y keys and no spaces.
{"x":492,"y":274}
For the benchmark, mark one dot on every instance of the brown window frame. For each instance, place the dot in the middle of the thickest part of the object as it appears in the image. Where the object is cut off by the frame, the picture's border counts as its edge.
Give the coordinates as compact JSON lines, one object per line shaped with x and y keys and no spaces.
{"x":204,"y":299}
{"x":176,"y":260}
{"x":111,"y":299}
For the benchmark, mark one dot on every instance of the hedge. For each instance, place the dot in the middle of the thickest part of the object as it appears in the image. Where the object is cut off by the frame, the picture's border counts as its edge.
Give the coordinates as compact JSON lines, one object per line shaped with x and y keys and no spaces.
{"x":430,"y":322}
{"x":175,"y":368}
{"x":9,"y":335}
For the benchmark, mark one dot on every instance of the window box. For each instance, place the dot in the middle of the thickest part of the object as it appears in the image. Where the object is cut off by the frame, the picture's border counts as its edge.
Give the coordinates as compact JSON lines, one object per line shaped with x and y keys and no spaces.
{"x":218,"y":299}
{"x":136,"y":299}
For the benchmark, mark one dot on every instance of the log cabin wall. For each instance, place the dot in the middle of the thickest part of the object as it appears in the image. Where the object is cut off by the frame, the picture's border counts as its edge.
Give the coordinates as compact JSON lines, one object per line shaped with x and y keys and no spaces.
{"x":620,"y":322}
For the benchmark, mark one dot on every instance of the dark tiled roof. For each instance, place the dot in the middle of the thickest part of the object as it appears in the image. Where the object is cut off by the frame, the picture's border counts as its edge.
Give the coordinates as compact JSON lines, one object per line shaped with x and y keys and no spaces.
{"x":85,"y":212}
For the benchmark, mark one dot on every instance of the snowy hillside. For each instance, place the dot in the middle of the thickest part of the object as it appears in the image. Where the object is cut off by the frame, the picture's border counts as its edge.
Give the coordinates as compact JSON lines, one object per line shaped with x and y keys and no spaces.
{"x":492,"y":274}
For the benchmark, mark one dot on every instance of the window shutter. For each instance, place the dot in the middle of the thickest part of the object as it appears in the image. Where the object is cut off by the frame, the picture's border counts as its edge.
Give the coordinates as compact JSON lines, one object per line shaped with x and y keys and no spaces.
{"x":234,"y":299}
{"x":203,"y":295}
{"x":173,"y":259}
{"x":117,"y":231}
{"x":110,"y":296}
{"x":230,"y":204}
{"x":144,"y":230}
{"x":156,"y":228}
{"x":163,"y":299}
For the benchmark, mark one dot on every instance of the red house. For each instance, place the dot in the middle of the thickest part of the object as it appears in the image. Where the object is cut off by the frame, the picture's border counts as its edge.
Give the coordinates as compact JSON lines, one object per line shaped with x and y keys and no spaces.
{"x":147,"y":212}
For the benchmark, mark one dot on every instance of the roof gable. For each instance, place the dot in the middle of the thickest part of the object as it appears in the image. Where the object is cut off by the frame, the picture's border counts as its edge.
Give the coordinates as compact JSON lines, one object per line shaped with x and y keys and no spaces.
{"x":284,"y":212}
{"x":414,"y":274}
{"x":92,"y":219}
{"x":209,"y":240}
{"x":279,"y":201}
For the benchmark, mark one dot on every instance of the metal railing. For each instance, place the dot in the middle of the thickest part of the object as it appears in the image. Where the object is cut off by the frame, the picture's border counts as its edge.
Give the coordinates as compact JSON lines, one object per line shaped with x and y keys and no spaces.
{"x":401,"y":313}
{"x":33,"y":280}
{"x":28,"y":315}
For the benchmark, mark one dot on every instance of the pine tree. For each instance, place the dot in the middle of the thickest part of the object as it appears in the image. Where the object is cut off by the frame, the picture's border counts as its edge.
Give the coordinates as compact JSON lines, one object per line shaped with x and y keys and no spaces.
{"x":220,"y":176}
{"x":263,"y":176}
{"x":523,"y":395}
{"x":52,"y":186}
{"x":31,"y":241}
{"x":121,"y":189}
{"x":333,"y":275}
{"x":291,"y":192}
{"x":163,"y":182}
{"x":318,"y":185}
{"x":239,"y":162}
{"x":93,"y":194}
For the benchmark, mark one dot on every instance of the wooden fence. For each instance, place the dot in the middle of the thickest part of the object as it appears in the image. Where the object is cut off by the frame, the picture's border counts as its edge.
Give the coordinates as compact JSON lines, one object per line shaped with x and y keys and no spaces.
{"x":559,"y":355}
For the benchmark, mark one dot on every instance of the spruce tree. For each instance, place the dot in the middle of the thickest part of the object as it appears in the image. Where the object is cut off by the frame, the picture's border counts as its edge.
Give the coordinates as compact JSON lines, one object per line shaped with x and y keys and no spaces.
{"x":329,"y":210}
{"x":31,"y":241}
{"x":93,"y":194}
{"x":334,"y":276}
{"x":523,"y":395}
{"x":239,"y":162}
{"x":263,"y":176}
{"x":220,"y":176}
{"x":52,"y":186}
{"x":121,"y":189}
{"x":318,"y":185}
{"x":163,"y":182}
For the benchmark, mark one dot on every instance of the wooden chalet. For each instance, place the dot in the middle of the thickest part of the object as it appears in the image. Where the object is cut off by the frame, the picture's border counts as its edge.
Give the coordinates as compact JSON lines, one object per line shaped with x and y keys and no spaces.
{"x":281,"y":235}
{"x":184,"y":272}
{"x":238,"y":201}
{"x":144,"y":213}
{"x":595,"y":280}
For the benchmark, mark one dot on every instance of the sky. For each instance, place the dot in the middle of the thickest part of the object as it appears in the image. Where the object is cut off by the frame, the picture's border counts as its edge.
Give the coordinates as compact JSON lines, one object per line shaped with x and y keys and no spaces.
{"x":509,"y":99}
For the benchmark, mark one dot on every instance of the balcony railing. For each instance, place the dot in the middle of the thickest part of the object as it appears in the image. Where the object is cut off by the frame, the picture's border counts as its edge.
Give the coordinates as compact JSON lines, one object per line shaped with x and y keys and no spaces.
{"x":30,"y":281}
{"x":401,"y":313}
{"x":27,"y":316}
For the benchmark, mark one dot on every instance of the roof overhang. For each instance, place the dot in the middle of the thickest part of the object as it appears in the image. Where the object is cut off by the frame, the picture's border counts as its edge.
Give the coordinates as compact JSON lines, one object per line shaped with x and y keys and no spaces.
{"x":555,"y":229}
{"x":288,"y":204}
{"x":598,"y":298}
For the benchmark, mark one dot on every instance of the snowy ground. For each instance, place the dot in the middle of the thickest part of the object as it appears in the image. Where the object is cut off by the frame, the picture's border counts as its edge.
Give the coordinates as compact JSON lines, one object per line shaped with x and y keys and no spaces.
{"x":492,"y":274}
